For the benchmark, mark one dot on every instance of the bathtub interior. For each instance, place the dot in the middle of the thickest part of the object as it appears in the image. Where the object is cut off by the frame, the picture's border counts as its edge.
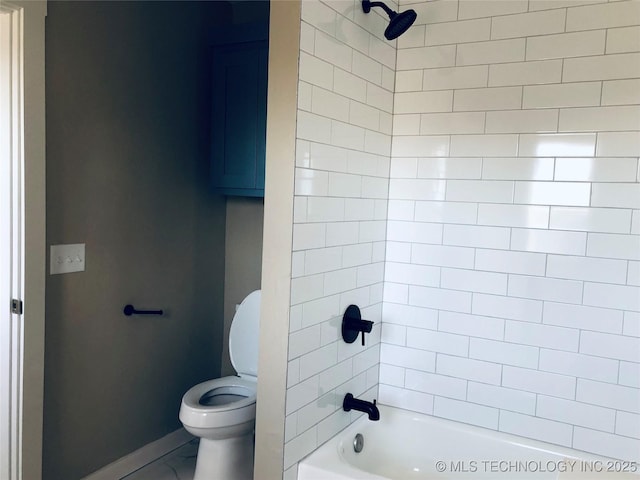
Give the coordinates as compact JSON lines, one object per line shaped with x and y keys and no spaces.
{"x":399,"y":448}
{"x":409,"y":446}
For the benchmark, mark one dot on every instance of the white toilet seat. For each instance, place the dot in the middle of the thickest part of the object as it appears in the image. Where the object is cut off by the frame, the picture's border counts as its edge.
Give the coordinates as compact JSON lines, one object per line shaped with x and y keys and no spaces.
{"x":194,"y":414}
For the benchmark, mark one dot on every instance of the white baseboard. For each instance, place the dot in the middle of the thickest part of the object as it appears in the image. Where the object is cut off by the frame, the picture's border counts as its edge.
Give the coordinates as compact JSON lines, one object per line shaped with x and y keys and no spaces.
{"x":141,"y":457}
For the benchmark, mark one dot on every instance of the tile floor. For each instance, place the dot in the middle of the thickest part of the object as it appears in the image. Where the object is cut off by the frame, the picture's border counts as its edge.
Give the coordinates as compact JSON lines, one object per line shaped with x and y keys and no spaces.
{"x":177,"y":465}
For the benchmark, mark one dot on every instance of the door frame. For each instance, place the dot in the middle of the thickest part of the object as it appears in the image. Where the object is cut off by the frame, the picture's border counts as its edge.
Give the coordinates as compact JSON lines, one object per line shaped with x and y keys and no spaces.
{"x":29,"y":246}
{"x":11,"y":163}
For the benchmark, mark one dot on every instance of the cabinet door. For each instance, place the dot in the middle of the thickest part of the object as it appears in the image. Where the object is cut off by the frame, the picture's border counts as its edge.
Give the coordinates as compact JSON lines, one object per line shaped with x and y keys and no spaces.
{"x":238,"y":127}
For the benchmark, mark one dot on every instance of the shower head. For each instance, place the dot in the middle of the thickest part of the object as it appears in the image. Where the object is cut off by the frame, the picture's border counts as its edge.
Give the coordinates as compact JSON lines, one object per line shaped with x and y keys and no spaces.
{"x":398,"y":22}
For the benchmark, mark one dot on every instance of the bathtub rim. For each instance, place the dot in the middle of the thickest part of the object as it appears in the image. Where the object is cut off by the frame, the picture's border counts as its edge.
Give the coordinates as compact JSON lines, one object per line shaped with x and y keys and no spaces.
{"x":323,"y":458}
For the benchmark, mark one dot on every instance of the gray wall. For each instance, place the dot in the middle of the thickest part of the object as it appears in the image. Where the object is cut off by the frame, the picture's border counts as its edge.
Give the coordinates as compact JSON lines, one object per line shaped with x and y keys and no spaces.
{"x":243,"y":260}
{"x":126,"y":174}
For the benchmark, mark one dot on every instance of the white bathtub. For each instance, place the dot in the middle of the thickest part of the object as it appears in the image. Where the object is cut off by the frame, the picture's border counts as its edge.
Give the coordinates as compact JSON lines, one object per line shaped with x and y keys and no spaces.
{"x":405,"y":445}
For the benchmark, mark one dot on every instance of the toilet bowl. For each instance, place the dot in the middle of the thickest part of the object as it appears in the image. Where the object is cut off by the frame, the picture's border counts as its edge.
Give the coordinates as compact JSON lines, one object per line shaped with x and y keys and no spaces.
{"x":222,"y":412}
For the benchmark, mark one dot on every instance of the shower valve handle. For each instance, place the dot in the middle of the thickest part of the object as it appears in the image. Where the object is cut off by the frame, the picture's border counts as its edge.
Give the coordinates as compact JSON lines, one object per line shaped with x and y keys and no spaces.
{"x":353,"y":325}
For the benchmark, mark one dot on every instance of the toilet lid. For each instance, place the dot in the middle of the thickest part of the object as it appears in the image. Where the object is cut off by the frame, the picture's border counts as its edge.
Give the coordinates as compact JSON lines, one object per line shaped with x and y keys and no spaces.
{"x":243,"y":336}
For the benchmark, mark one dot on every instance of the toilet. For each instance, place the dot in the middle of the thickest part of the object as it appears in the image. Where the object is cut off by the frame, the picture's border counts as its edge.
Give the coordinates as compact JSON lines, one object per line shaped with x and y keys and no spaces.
{"x":222,"y":412}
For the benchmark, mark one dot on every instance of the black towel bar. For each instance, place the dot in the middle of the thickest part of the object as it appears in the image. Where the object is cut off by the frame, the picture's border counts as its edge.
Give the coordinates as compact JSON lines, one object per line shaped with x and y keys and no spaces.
{"x":130,"y":310}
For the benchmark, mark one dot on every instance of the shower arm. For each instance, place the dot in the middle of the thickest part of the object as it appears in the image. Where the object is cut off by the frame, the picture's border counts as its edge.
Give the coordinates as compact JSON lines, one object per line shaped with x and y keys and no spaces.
{"x":368,"y":4}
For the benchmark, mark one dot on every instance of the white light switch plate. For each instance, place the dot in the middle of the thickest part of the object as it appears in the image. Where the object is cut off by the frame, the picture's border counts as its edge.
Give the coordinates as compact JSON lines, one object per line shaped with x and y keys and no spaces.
{"x":66,"y":258}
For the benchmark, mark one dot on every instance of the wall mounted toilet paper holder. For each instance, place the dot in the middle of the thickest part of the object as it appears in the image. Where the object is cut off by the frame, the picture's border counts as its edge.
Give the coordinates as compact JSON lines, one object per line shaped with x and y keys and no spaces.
{"x":129,"y":310}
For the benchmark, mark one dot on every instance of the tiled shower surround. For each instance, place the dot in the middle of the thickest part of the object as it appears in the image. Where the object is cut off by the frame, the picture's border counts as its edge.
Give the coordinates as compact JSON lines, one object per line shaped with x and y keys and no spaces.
{"x":509,"y":191}
{"x":345,"y":103}
{"x":511,"y":293}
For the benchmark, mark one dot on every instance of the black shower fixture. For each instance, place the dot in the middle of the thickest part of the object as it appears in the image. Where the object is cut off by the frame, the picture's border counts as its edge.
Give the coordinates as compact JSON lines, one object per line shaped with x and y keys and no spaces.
{"x":398,"y":22}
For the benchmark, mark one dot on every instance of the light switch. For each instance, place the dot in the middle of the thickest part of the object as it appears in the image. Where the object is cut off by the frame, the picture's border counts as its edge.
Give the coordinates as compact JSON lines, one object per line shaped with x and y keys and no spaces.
{"x":66,"y":258}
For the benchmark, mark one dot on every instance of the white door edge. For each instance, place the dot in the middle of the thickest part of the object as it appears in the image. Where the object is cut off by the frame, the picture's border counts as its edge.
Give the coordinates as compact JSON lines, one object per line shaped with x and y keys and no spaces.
{"x":11,"y":231}
{"x":24,"y":227}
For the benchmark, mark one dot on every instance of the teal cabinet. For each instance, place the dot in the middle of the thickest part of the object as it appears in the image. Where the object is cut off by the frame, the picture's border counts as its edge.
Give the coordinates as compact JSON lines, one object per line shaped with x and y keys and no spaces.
{"x":239,"y":113}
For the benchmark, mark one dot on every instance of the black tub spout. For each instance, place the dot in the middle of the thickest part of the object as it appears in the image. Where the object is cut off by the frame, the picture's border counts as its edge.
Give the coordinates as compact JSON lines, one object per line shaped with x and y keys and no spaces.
{"x":351,"y":403}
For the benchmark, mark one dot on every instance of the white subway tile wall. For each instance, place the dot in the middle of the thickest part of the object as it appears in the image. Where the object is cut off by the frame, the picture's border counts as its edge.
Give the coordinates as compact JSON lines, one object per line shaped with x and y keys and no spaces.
{"x":511,"y":296}
{"x":345,"y":106}
{"x":477,"y":195}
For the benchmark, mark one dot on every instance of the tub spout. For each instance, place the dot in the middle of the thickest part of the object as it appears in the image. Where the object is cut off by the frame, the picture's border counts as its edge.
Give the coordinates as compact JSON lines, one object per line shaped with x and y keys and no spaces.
{"x":351,"y":403}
